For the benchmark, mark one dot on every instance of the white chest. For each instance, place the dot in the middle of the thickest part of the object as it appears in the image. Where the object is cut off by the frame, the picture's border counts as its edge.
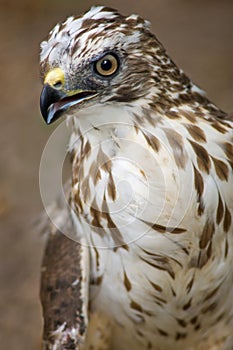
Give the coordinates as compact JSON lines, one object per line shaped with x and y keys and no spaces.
{"x":132,"y":179}
{"x":155,"y":259}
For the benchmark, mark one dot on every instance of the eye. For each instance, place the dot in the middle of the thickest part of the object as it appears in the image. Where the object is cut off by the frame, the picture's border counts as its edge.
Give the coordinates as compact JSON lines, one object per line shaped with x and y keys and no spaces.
{"x":107,"y":65}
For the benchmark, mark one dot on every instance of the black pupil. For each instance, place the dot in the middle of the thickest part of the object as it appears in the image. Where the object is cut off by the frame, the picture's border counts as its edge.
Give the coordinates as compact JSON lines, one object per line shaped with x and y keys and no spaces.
{"x":106,"y":65}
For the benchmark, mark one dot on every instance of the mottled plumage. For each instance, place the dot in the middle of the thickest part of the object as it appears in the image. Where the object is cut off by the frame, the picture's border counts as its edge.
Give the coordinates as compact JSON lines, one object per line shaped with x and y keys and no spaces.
{"x":151,"y":199}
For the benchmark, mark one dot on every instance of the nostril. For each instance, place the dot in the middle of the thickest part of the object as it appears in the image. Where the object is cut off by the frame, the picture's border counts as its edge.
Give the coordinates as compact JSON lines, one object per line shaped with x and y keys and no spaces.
{"x":58,"y":85}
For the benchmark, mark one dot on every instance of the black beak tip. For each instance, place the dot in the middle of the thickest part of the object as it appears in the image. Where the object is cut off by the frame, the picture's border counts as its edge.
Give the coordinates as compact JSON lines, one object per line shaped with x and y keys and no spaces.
{"x":43,"y":109}
{"x":49,"y":96}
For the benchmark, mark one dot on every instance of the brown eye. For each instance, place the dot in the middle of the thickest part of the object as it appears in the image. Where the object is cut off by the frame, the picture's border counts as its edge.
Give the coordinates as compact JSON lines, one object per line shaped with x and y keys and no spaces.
{"x":107,"y":65}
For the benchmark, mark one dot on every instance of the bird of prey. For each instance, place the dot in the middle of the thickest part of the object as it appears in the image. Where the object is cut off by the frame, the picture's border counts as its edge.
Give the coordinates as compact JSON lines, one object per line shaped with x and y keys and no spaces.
{"x":150,"y":202}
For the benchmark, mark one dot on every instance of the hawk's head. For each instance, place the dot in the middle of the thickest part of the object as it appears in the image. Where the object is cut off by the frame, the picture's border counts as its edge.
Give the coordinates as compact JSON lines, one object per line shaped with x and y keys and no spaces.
{"x":104,"y":57}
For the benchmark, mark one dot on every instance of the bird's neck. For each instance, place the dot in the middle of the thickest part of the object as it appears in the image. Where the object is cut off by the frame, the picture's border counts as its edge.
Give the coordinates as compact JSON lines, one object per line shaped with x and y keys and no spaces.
{"x":100,"y":127}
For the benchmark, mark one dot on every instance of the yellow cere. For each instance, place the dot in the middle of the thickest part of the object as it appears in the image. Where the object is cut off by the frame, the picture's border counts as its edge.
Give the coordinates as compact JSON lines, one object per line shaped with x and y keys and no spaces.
{"x":55,"y":76}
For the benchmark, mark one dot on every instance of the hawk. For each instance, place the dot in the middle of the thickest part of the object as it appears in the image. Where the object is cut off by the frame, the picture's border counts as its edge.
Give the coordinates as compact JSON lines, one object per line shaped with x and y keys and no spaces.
{"x":150,"y":203}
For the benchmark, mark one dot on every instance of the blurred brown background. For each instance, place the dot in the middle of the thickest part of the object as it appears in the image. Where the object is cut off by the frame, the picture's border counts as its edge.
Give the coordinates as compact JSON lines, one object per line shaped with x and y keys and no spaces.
{"x":198,"y":35}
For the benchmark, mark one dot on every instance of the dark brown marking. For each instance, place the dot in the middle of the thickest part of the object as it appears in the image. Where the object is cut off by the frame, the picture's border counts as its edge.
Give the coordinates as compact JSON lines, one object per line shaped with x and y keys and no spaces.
{"x":176,"y":142}
{"x":203,"y":159}
{"x":96,"y":214}
{"x":103,"y":161}
{"x":78,"y":202}
{"x":147,"y":115}
{"x":172,"y":115}
{"x":95,"y":173}
{"x":136,"y":306}
{"x":164,"y":229}
{"x":138,"y":120}
{"x":156,"y":287}
{"x":230,"y":164}
{"x":111,"y":187}
{"x":180,"y":336}
{"x":228,"y":148}
{"x":99,"y":280}
{"x":226,"y":248}
{"x":189,"y":116}
{"x":143,"y":173}
{"x":185,"y":250}
{"x":160,"y":300}
{"x":221,"y":169}
{"x":72,"y":155}
{"x":162,"y":332}
{"x":87,"y":23}
{"x":159,"y":304}
{"x":140,"y":333}
{"x":198,"y":180}
{"x":219,"y":318}
{"x":187,"y":305}
{"x":227,"y":219}
{"x":220,"y":210}
{"x":127,"y":282}
{"x":115,"y":232}
{"x":137,"y":128}
{"x":199,"y":186}
{"x":148,"y":313}
{"x":197,"y":327}
{"x":196,"y":132}
{"x":161,"y":263}
{"x":194,"y":320}
{"x":216,"y":125}
{"x":209,"y":308}
{"x":161,"y":258}
{"x":97,"y":257}
{"x":207,"y":234}
{"x":212,"y":293}
{"x":190,"y":284}
{"x":87,"y":149}
{"x":181,"y":322}
{"x":152,"y":141}
{"x":173,"y":292}
{"x":201,"y":208}
{"x":204,"y":256}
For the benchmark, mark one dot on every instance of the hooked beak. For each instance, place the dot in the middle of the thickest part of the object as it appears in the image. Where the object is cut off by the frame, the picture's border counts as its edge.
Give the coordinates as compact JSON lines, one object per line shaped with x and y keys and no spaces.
{"x":54,"y":100}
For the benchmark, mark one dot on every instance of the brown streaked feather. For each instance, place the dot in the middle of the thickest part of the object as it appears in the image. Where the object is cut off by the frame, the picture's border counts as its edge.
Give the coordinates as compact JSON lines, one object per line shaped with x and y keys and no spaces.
{"x":196,"y":132}
{"x":207,"y":234}
{"x":203,"y":159}
{"x":165,"y":229}
{"x":127,"y":282}
{"x":221,"y":169}
{"x":152,"y":141}
{"x":199,"y":186}
{"x":227,"y":220}
{"x":204,"y":256}
{"x":176,"y":142}
{"x":111,"y":187}
{"x":64,"y":278}
{"x":220,"y":210}
{"x":228,"y":148}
